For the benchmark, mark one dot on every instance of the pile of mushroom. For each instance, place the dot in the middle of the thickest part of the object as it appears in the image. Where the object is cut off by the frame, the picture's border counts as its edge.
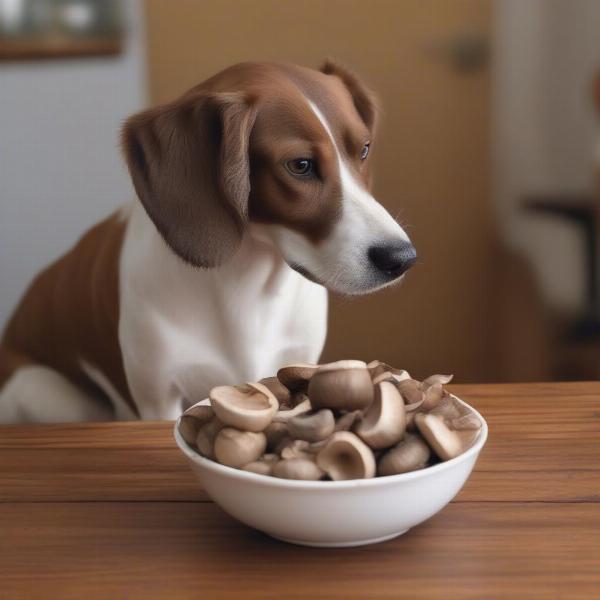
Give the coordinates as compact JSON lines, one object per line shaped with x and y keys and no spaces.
{"x":342,"y":420}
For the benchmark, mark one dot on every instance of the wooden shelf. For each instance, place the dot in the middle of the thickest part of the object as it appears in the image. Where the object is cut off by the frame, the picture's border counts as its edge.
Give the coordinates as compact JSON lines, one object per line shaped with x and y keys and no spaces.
{"x":58,"y":47}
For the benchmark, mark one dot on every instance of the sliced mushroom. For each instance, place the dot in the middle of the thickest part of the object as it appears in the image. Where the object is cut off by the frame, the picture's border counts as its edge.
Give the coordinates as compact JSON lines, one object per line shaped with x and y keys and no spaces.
{"x":410,"y":454}
{"x":275,"y":432}
{"x":250,"y":407}
{"x":283,"y":416}
{"x":433,"y":379}
{"x":433,"y":396}
{"x":343,"y":385}
{"x":312,"y":427}
{"x":283,"y":395}
{"x":347,"y":420}
{"x":445,"y":442}
{"x":205,"y":440}
{"x":411,"y":392}
{"x":264,"y":465}
{"x":377,"y":368}
{"x":191,"y":421}
{"x":384,"y":423}
{"x":236,"y":448}
{"x":297,"y":468}
{"x":296,"y":377}
{"x":346,"y":456}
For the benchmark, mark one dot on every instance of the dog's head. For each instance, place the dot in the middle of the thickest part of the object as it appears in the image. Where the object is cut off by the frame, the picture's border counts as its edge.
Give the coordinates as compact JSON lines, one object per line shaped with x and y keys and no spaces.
{"x":280,"y":145}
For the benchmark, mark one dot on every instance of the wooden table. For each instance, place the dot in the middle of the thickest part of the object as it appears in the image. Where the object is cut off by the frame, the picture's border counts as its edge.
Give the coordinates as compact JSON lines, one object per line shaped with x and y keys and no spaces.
{"x":111,"y":511}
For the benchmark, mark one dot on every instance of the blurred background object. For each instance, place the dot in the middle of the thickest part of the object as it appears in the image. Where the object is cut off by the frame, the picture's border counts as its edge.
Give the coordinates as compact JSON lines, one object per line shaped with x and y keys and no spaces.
{"x":56,"y":28}
{"x":488,"y":133}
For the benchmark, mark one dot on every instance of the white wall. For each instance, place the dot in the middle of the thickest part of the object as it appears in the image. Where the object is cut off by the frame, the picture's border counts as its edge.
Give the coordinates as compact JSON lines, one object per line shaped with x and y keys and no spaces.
{"x":60,"y":166}
{"x":545,"y":128}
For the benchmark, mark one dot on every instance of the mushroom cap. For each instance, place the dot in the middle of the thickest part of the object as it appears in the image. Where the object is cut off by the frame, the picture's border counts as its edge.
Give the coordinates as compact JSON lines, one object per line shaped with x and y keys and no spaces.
{"x":283,"y":395}
{"x":236,"y":448}
{"x":446,"y":443}
{"x":296,"y":376}
{"x":263,"y":466}
{"x":205,"y":440}
{"x":191,"y":421}
{"x":343,"y":385}
{"x":384,"y":422}
{"x":250,"y":407}
{"x":297,"y":468}
{"x":346,"y":456}
{"x":410,"y":454}
{"x":312,"y":427}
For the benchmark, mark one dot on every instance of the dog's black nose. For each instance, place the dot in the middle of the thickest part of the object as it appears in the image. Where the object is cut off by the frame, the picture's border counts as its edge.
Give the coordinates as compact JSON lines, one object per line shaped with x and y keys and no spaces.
{"x":393,"y":259}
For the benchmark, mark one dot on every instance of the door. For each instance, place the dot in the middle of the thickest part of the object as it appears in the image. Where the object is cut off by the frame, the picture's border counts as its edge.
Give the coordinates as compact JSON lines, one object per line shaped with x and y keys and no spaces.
{"x":424,"y":61}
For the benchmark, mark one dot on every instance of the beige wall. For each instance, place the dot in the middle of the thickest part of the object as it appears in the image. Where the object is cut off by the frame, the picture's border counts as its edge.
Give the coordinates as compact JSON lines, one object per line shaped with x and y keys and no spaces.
{"x":431,"y":155}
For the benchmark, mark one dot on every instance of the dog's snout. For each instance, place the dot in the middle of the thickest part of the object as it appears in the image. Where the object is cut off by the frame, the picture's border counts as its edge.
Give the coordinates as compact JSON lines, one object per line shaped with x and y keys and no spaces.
{"x":393,"y":259}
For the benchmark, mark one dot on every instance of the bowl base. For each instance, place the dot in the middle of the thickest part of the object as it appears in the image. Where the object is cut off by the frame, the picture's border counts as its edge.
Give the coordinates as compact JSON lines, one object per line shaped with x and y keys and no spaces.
{"x":349,"y":544}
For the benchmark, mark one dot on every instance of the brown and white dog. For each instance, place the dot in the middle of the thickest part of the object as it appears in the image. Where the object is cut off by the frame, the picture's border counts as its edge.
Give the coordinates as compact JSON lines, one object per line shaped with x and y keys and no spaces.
{"x":254,"y":198}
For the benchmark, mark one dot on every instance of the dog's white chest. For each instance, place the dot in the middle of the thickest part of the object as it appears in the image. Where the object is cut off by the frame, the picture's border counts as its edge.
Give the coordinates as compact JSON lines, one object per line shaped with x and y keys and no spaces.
{"x":183,"y":330}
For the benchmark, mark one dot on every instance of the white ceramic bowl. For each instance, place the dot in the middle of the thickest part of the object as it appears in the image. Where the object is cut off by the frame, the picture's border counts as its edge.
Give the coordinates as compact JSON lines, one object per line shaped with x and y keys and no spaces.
{"x":334,"y":513}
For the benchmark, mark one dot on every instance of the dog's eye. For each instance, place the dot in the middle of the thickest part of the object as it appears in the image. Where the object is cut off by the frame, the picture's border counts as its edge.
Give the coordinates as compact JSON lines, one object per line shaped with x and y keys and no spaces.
{"x":365,"y":151}
{"x":300,"y":166}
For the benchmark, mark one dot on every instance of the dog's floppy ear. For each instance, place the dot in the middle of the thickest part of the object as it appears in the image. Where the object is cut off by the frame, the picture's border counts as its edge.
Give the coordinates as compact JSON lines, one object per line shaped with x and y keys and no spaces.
{"x":190,"y":168}
{"x":364,"y":99}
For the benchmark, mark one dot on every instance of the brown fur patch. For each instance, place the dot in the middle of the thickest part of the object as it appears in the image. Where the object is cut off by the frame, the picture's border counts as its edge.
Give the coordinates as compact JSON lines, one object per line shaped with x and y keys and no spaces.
{"x":70,"y":312}
{"x":189,"y":165}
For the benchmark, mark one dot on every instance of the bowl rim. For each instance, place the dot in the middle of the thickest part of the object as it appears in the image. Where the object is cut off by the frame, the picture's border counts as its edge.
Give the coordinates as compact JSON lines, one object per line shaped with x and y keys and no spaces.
{"x":270,"y":481}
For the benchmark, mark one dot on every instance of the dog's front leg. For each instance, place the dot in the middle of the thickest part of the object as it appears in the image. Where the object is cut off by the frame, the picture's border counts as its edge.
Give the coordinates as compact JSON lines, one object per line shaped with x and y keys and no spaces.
{"x":162,"y":389}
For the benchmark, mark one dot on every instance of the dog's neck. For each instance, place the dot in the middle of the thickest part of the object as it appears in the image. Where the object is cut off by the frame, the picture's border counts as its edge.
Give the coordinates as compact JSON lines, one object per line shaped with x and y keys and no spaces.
{"x":258,"y":264}
{"x":186,"y":329}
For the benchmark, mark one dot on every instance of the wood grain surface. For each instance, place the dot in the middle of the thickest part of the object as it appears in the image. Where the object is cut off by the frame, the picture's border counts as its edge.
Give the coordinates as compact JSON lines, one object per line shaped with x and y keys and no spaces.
{"x":110,"y":510}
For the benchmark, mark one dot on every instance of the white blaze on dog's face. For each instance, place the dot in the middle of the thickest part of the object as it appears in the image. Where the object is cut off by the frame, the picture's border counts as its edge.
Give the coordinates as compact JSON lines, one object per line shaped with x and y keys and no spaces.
{"x":280,"y":145}
{"x":311,"y":184}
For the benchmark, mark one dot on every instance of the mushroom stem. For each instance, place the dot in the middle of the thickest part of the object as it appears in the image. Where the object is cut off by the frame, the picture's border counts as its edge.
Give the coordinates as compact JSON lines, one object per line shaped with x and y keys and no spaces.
{"x":283,"y":416}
